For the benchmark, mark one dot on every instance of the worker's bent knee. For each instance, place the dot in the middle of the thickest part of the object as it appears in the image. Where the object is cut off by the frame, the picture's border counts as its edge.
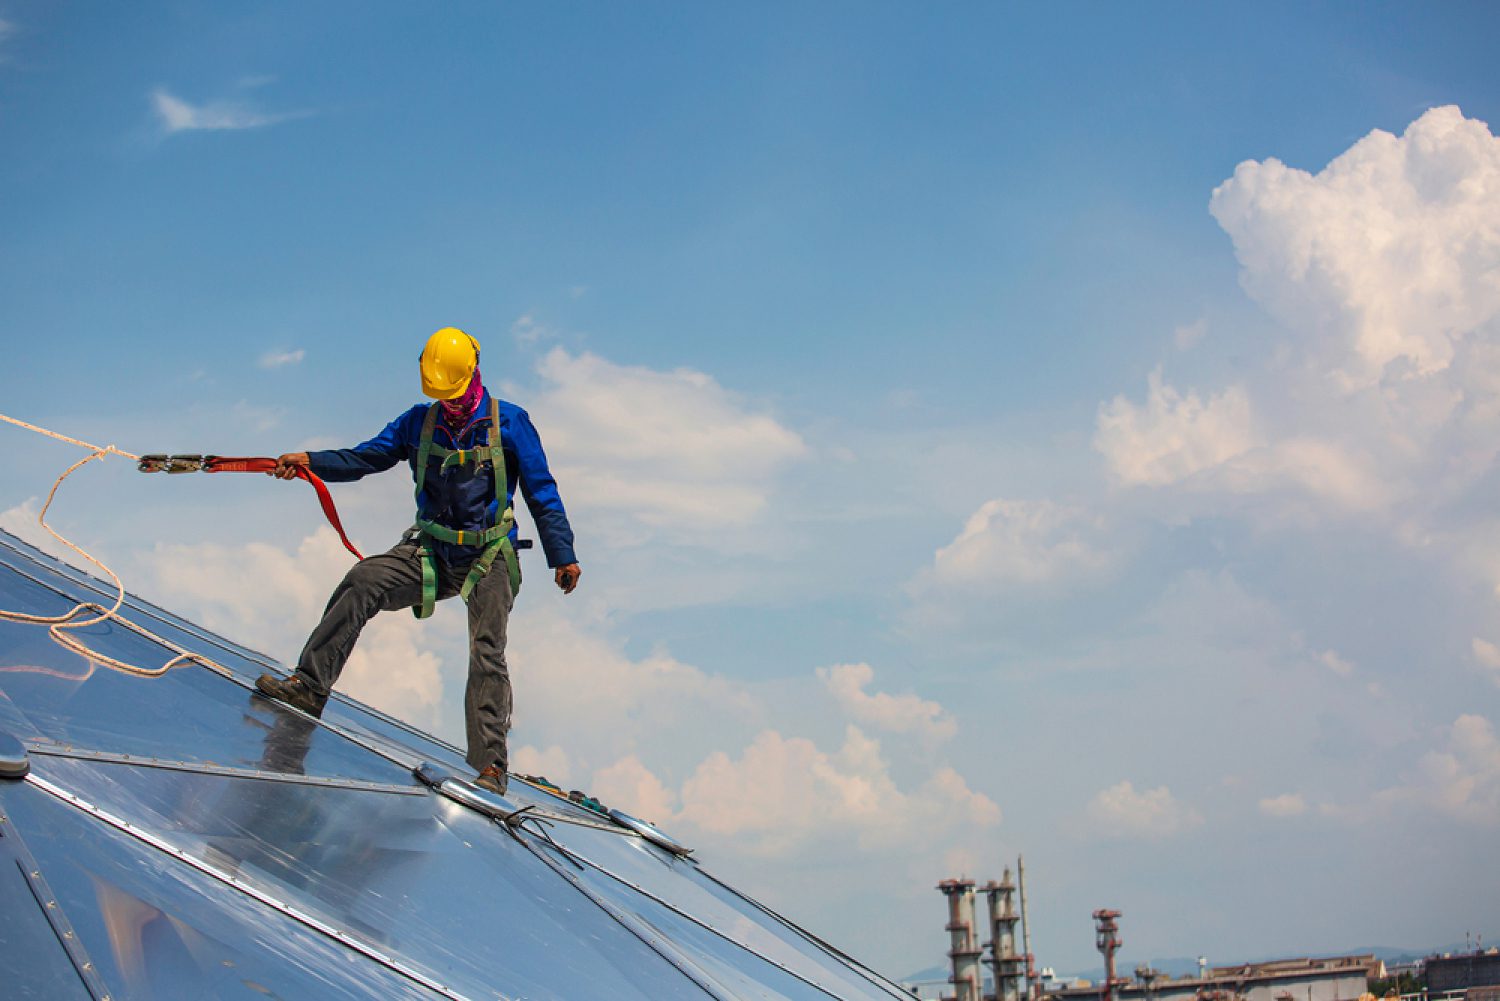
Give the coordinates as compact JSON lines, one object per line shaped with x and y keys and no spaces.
{"x":379,"y":574}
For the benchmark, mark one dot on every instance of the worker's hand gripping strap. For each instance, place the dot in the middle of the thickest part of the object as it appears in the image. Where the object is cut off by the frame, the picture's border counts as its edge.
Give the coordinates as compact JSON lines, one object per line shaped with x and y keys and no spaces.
{"x":230,"y":464}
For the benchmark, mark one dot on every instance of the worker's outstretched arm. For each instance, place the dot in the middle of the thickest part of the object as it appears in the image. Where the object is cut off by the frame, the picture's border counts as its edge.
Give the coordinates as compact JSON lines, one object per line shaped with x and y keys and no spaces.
{"x":390,"y":446}
{"x":544,"y":502}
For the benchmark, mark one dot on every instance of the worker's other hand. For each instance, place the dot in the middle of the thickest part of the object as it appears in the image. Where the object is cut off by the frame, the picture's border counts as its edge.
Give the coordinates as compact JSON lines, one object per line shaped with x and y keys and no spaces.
{"x":288,"y":464}
{"x":567,"y":577}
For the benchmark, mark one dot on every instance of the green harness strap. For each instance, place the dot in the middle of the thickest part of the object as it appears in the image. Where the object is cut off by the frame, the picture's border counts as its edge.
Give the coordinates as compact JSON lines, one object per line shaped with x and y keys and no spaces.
{"x":495,"y":539}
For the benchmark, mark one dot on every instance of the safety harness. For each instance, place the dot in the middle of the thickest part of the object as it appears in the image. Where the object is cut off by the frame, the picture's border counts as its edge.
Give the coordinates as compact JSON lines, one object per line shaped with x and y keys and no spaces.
{"x":495,"y":539}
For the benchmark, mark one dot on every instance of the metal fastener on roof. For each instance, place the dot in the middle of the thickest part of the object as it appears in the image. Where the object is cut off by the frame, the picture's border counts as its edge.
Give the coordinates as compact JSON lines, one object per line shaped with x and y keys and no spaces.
{"x":14,"y":762}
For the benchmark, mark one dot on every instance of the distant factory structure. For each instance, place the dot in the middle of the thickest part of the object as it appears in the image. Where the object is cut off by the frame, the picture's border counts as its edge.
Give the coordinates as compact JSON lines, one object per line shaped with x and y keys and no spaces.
{"x":986,"y":964}
{"x":1339,"y":978}
{"x":967,"y":955}
{"x":1463,"y":973}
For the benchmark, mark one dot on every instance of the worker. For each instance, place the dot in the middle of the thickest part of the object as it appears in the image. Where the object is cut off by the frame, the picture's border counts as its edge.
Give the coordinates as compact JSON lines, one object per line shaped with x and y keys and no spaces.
{"x":468,"y":452}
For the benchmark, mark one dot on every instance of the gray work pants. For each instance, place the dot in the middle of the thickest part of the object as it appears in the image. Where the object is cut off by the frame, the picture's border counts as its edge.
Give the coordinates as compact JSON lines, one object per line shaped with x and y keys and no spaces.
{"x":393,"y":581}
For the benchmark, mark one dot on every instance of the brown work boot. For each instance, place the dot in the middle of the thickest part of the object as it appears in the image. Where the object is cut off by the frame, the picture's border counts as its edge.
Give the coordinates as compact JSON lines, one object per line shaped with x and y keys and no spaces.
{"x":293,"y":691}
{"x":493,"y":779}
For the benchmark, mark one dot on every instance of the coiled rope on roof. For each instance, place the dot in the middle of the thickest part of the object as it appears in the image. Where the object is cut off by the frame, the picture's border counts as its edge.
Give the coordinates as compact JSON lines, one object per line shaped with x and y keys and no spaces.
{"x":59,"y":626}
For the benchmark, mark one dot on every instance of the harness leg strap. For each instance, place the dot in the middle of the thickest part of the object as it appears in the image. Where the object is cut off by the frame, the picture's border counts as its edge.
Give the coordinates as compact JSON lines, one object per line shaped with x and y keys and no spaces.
{"x":429,"y":584}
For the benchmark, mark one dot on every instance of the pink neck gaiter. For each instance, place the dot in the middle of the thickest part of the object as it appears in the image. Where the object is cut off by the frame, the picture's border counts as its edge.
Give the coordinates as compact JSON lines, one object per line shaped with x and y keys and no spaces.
{"x":458,"y":412}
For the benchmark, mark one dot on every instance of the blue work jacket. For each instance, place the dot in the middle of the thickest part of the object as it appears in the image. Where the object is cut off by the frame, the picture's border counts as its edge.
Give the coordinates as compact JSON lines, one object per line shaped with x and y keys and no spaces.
{"x":463,"y":497}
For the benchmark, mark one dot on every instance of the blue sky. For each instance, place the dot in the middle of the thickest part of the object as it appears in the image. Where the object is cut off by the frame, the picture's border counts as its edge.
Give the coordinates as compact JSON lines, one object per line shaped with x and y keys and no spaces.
{"x":952,"y":477}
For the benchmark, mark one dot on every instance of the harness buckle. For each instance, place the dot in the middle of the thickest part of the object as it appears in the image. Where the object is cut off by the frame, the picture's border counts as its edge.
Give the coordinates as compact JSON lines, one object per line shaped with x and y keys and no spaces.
{"x":152,"y":463}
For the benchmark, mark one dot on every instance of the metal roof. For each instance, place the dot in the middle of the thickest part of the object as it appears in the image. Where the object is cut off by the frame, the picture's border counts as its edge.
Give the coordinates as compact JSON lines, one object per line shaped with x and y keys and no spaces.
{"x":179,"y":836}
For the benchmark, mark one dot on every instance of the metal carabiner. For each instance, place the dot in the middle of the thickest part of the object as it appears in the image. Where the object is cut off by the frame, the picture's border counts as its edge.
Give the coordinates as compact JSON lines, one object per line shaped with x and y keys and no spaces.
{"x":185,"y":463}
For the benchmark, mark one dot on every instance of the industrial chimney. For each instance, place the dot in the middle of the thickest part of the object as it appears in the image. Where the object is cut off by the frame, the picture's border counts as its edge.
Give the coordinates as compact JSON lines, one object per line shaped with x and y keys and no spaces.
{"x":1107,"y":938}
{"x":1005,"y":962}
{"x":964,"y":952}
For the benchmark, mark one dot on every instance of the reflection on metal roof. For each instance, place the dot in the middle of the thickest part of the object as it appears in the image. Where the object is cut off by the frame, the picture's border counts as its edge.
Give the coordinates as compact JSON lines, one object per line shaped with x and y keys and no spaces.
{"x":179,"y":836}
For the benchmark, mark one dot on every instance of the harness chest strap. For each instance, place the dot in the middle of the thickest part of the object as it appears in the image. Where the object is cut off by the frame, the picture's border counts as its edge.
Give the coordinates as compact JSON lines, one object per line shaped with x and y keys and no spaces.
{"x":495,"y":539}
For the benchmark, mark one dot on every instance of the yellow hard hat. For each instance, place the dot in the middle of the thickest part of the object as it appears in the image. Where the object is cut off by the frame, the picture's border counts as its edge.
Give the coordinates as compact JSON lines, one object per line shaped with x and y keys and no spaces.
{"x":448,"y":363}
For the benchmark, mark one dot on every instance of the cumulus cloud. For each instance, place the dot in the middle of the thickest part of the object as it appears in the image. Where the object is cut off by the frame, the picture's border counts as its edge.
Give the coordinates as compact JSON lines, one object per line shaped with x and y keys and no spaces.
{"x":177,"y":115}
{"x":1216,"y":445}
{"x":1463,"y":780}
{"x":905,"y":713}
{"x":1383,"y":397}
{"x":551,"y":763}
{"x":21,"y":521}
{"x":1172,"y":437}
{"x":659,"y":454}
{"x":631,"y":786}
{"x":1122,"y":812}
{"x":1286,"y":805}
{"x":1189,"y":334}
{"x":527,"y":330}
{"x":1012,"y":543}
{"x":574,"y":682}
{"x":1338,"y":665}
{"x":278,"y":359}
{"x":784,"y":792}
{"x":1389,"y":253}
{"x":1487,"y":655}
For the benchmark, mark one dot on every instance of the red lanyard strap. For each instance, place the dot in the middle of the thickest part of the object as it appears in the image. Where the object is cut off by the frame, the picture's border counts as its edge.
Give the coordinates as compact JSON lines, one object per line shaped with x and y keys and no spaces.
{"x":231,"y":464}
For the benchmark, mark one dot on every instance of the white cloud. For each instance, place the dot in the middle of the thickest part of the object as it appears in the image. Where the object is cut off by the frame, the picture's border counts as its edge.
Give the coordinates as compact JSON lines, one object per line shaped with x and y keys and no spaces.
{"x":21,"y":521}
{"x":393,"y":669}
{"x":1383,"y":396}
{"x":552,"y":764}
{"x":1338,"y":665}
{"x":526,"y":330}
{"x":1122,"y":812}
{"x":177,"y":115}
{"x":277,"y":359}
{"x":257,"y":417}
{"x":1013,"y":543}
{"x":658,"y":454}
{"x":1286,"y":805}
{"x":1387,"y":256}
{"x":1189,"y":334}
{"x":1173,"y":436}
{"x":1218,"y":446}
{"x":630,"y":786}
{"x":1463,"y":781}
{"x":784,"y":792}
{"x":1488,"y":656}
{"x":781,"y":794}
{"x":574,"y":683}
{"x":906,"y":713}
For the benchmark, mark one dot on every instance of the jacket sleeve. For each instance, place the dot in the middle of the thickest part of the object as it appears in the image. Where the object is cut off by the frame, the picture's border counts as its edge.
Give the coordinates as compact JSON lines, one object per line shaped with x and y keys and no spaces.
{"x":343,"y":465}
{"x":540,"y":491}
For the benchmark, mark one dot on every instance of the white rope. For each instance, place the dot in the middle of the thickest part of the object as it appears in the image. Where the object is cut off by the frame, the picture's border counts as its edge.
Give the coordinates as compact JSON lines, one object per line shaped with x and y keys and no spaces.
{"x":58,"y":625}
